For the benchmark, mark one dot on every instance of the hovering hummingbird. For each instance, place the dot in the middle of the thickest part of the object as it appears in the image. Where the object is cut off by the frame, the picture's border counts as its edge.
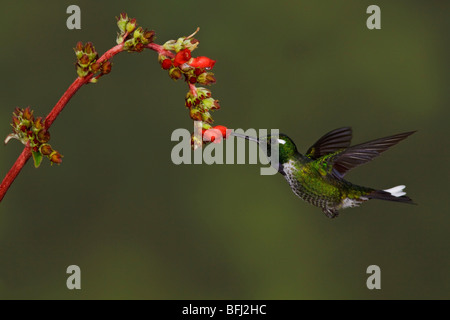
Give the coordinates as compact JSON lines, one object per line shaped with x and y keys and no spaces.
{"x":318,"y":176}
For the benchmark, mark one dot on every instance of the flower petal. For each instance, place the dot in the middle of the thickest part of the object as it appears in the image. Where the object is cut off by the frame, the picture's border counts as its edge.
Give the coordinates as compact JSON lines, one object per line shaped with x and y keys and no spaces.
{"x":202,"y":62}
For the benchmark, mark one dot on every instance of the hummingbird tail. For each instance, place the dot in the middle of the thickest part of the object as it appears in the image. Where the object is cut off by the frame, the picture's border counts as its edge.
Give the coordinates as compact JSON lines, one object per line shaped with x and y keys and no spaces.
{"x":393,"y":194}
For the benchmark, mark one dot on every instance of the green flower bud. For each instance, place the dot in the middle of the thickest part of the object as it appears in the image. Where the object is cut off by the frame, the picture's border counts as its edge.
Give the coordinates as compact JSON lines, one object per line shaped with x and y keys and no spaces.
{"x":79,"y":50}
{"x":175,"y":73}
{"x":122,"y":22}
{"x":191,"y":44}
{"x":206,"y":78}
{"x":206,"y":117}
{"x":131,"y":25}
{"x":195,"y":114}
{"x":203,"y":93}
{"x":138,"y":33}
{"x":207,"y":104}
{"x":169,"y":45}
{"x":82,"y":72}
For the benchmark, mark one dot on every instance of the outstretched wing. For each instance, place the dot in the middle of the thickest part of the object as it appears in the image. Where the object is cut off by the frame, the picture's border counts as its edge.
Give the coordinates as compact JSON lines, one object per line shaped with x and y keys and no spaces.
{"x":331,"y":142}
{"x":359,"y":154}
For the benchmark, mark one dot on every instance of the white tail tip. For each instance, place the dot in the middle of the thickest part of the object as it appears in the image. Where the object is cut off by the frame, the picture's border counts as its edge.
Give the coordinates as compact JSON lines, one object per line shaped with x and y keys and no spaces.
{"x":396,"y":191}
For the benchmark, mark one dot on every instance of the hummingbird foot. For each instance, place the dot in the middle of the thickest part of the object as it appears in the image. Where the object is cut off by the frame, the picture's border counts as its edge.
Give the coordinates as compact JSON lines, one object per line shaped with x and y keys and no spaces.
{"x":330,"y":212}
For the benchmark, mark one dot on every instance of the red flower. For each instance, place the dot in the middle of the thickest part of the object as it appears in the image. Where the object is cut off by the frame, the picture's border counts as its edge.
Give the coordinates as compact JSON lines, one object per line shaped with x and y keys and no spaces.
{"x":223,"y":130}
{"x":202,"y":62}
{"x":211,"y":134}
{"x":166,"y":64}
{"x":182,"y":57}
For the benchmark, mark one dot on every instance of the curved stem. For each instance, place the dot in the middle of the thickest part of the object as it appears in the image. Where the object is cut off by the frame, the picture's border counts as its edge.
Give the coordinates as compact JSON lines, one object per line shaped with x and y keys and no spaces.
{"x":14,"y":171}
{"x":160,"y":49}
{"x":59,"y":106}
{"x":77,"y":84}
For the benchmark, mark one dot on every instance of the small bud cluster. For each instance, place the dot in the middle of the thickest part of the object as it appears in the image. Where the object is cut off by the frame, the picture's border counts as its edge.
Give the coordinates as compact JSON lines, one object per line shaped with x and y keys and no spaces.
{"x":30,"y":130}
{"x":133,"y":37}
{"x":87,"y":61}
{"x":195,"y":70}
{"x":200,"y":105}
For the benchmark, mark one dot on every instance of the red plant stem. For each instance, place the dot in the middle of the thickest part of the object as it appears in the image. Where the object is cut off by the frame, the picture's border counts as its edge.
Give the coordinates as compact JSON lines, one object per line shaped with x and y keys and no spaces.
{"x":161,"y":51}
{"x":77,"y":84}
{"x":59,"y":106}
{"x":14,"y":171}
{"x":193,"y":89}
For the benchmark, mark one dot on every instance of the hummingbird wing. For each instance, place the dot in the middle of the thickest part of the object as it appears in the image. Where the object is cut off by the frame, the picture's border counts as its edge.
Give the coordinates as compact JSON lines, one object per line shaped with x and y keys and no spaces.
{"x":331,"y":142}
{"x":359,"y":154}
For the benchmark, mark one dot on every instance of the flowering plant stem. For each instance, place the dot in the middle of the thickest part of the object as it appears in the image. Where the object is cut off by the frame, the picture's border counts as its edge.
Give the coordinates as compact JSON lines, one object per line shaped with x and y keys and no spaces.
{"x":174,"y":56}
{"x":59,"y":106}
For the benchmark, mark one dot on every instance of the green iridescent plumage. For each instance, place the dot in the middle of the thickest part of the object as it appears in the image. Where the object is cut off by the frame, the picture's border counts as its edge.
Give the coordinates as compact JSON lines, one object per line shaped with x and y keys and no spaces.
{"x":318,"y":176}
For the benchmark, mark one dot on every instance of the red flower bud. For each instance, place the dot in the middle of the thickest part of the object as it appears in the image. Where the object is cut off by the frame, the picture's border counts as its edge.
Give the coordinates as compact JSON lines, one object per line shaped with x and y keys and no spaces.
{"x":198,"y":71}
{"x":149,"y":35}
{"x":95,"y":67}
{"x":38,"y":123}
{"x":192,"y":80}
{"x":89,"y":48}
{"x":84,"y":60}
{"x":55,"y":157}
{"x":43,"y":136}
{"x":202,"y":62}
{"x":139,"y":47}
{"x":46,"y":149}
{"x":79,"y":46}
{"x":166,"y":64}
{"x":16,"y":121}
{"x":106,"y":67}
{"x":27,"y":114}
{"x":182,"y":57}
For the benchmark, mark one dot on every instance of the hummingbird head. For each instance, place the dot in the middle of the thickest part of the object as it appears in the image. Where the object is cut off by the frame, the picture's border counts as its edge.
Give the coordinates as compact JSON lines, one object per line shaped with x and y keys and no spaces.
{"x":286,"y":147}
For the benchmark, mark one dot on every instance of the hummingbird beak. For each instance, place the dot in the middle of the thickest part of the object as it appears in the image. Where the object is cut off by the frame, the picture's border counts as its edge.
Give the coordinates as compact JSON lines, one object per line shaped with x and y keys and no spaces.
{"x":245,"y":137}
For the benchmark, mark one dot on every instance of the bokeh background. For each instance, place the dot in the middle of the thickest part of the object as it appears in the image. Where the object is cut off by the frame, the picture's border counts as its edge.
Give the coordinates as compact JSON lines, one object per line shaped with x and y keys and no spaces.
{"x":141,"y":227}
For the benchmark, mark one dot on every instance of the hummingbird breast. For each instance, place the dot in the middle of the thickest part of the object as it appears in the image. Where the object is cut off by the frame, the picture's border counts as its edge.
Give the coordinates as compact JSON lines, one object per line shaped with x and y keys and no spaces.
{"x":311,"y":186}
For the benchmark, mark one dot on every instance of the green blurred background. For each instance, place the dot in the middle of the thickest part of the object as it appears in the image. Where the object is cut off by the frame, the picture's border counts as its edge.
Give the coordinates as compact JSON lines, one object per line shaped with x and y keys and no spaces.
{"x":141,"y":227}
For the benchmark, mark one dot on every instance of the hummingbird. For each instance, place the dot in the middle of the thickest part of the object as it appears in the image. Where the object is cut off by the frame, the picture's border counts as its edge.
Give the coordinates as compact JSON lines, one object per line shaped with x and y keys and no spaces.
{"x":317,"y":176}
